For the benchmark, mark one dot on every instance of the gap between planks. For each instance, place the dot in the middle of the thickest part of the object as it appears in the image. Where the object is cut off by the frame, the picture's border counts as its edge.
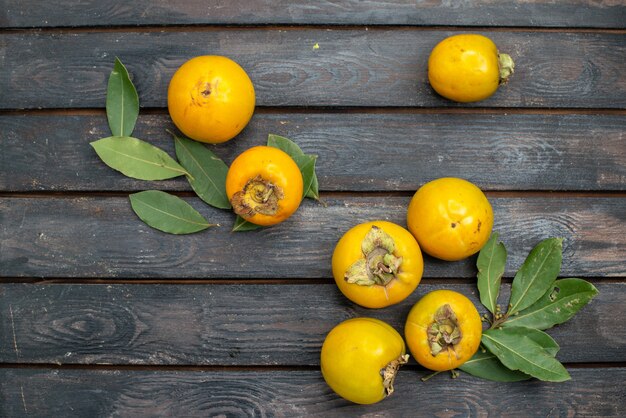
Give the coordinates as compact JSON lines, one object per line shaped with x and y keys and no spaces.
{"x":212,"y":27}
{"x":509,"y":194}
{"x":349,"y":110}
{"x":434,"y":281}
{"x":243,"y":281}
{"x":194,"y":368}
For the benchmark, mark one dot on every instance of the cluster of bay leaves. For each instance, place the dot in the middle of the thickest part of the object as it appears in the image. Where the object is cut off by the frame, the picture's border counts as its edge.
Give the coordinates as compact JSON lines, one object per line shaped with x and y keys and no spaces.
{"x":516,"y":347}
{"x":204,"y":170}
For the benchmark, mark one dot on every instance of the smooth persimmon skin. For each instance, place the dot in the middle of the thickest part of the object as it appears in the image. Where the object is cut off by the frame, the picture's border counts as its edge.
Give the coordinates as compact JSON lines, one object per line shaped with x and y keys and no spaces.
{"x":354,"y":353}
{"x":464,"y":68}
{"x":451,"y":218}
{"x":211,"y":99}
{"x":274,"y":166}
{"x":422,"y":315}
{"x":348,"y":250}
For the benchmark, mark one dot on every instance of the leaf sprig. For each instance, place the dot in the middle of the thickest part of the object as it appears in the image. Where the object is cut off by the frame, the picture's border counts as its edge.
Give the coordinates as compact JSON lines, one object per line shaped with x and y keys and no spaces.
{"x":205,"y":171}
{"x":515,"y":347}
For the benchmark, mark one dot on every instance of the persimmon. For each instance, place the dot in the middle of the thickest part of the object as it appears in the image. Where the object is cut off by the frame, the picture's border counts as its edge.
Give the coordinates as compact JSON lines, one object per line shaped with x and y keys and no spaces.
{"x":210,"y":98}
{"x":450,"y":217}
{"x":264,"y":185}
{"x":377,"y":264}
{"x":443,"y":330}
{"x":468,"y":68}
{"x":360,"y":358}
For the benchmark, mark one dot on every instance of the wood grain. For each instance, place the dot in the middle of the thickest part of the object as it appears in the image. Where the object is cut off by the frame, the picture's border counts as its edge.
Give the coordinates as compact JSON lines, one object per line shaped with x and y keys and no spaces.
{"x":245,"y":325}
{"x":79,"y":393}
{"x":29,"y":13}
{"x":101,"y":237}
{"x":351,"y":67}
{"x":357,"y":151}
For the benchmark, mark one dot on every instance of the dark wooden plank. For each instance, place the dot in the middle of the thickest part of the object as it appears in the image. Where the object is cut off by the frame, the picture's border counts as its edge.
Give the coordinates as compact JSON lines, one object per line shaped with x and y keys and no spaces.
{"x":357,"y":151}
{"x":249,"y":325}
{"x":81,"y":393}
{"x":101,"y":237}
{"x":351,"y":67}
{"x":30,"y":13}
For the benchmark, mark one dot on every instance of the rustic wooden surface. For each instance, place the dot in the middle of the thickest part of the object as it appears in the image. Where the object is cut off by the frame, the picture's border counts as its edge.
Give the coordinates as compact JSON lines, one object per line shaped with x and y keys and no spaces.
{"x":534,"y":150}
{"x":580,"y":13}
{"x":230,"y":324}
{"x":101,"y":315}
{"x":100,"y":237}
{"x":295,"y":392}
{"x":352,"y":67}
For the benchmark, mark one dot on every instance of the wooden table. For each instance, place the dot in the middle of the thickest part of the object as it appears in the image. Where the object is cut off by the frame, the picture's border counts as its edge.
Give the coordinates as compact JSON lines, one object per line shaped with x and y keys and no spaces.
{"x":100,"y":315}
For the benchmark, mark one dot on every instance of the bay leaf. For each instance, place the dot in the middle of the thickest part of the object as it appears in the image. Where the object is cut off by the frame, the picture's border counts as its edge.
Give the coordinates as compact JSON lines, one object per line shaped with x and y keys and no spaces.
{"x":544,"y":340}
{"x":309,"y":176}
{"x":491,"y":263}
{"x":487,"y":366}
{"x":557,"y":305}
{"x":519,"y":352}
{"x":537,"y":274}
{"x":167,"y":213}
{"x":208,"y":171}
{"x":137,"y":159}
{"x":241,"y":225}
{"x":306,"y":164}
{"x":122,"y":101}
{"x":284,"y":144}
{"x":314,"y":192}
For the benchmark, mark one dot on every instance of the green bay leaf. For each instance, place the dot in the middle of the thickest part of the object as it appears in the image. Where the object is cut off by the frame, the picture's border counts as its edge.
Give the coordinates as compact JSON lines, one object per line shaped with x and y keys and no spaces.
{"x":284,"y":144}
{"x":167,"y":213}
{"x":137,"y":159}
{"x":241,"y":225}
{"x":314,"y":190}
{"x":122,"y":102}
{"x":544,"y":340}
{"x":208,"y":171}
{"x":520,"y":352}
{"x":306,"y":163}
{"x":491,"y":263}
{"x":561,"y":302}
{"x":537,"y":274}
{"x":487,"y":366}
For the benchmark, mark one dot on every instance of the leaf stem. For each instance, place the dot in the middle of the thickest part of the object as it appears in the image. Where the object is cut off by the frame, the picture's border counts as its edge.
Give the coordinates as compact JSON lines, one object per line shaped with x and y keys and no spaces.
{"x":426,"y":378}
{"x":499,"y":320}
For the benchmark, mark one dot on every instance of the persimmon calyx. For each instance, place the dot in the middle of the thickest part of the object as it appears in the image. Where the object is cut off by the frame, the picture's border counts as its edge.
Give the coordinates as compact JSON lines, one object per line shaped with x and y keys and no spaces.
{"x":506,"y":65}
{"x":444,"y":333}
{"x":257,"y":196}
{"x":390,"y":371}
{"x":378,"y":265}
